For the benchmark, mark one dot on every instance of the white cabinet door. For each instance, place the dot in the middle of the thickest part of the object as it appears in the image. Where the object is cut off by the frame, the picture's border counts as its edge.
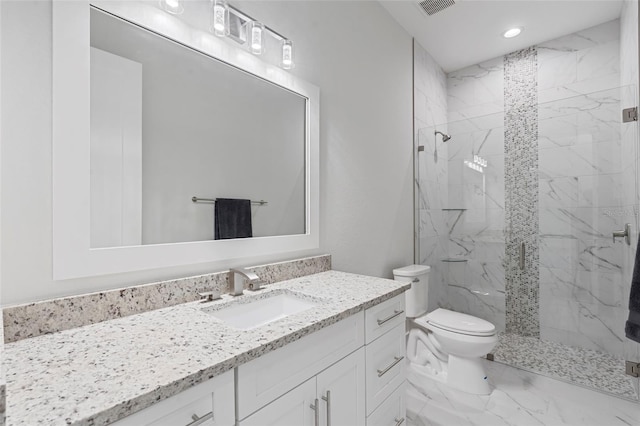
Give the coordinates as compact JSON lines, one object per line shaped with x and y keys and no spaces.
{"x":211,"y":401}
{"x":268,"y":377}
{"x":341,"y":392}
{"x":291,"y":409}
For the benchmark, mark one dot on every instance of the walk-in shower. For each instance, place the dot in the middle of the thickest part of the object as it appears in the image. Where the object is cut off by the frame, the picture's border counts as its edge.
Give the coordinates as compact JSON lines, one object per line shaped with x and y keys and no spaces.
{"x":562,"y":195}
{"x":543,"y":160}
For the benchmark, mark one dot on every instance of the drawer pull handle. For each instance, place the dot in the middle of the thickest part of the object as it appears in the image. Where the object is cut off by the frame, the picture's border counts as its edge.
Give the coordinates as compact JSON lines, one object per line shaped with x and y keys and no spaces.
{"x":399,"y":421}
{"x":199,"y":420}
{"x":390,"y":317}
{"x":396,"y":360}
{"x":327,"y":399}
{"x":316,"y":415}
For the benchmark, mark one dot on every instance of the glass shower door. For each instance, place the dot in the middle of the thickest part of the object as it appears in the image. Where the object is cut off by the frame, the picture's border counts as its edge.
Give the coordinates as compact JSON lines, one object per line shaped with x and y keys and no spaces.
{"x":588,"y":170}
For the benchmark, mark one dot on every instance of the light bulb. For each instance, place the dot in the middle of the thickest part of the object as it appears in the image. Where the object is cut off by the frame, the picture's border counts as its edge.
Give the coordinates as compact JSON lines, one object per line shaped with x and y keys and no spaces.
{"x":220,"y":18}
{"x":172,"y":6}
{"x":512,"y":32}
{"x":287,"y":54}
{"x":256,"y":38}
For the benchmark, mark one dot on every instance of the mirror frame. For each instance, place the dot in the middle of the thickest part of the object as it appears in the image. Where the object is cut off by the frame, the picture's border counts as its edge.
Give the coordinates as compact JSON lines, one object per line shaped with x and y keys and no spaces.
{"x":72,"y":255}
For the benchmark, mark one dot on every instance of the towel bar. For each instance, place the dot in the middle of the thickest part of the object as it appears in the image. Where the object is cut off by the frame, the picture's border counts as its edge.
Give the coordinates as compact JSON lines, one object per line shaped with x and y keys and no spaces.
{"x":213,"y":200}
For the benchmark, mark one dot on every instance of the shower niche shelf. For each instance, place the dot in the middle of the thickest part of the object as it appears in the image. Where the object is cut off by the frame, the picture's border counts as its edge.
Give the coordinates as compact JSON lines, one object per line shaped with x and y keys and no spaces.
{"x":454,"y":260}
{"x":454,"y":210}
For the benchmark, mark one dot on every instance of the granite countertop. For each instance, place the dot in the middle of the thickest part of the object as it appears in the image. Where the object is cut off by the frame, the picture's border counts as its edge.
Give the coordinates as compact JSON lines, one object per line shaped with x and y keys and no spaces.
{"x":99,"y":373}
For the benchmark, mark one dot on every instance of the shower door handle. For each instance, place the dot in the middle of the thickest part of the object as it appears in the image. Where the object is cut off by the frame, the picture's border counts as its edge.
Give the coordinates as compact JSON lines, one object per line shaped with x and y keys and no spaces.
{"x":626,"y":233}
{"x":522,"y":256}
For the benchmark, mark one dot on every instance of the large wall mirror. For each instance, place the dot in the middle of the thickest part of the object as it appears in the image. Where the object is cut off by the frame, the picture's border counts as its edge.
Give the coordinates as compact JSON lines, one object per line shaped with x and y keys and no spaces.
{"x":151,"y":114}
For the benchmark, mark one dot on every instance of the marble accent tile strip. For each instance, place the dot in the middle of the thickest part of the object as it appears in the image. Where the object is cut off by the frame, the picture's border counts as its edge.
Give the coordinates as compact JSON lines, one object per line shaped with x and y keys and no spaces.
{"x":522,"y":285}
{"x":584,"y":367}
{"x":50,"y":316}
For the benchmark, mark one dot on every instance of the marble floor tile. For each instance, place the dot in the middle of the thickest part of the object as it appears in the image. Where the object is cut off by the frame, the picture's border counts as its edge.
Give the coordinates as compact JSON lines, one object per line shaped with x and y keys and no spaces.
{"x":519,"y":398}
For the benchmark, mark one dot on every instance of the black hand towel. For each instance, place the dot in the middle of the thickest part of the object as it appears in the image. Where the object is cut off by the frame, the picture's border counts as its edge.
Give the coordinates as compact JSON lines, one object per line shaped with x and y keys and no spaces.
{"x":632,"y":328}
{"x":232,"y":219}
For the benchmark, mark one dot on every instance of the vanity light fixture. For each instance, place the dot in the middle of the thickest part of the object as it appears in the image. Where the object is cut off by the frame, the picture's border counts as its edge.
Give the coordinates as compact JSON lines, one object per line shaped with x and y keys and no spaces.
{"x":229,"y":22}
{"x":174,"y":7}
{"x":243,"y":29}
{"x":220,"y":18}
{"x":512,"y":32}
{"x":287,"y":54}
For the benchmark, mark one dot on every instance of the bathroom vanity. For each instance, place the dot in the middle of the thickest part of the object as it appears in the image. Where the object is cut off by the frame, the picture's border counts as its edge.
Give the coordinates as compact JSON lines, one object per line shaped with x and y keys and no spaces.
{"x":339,"y":361}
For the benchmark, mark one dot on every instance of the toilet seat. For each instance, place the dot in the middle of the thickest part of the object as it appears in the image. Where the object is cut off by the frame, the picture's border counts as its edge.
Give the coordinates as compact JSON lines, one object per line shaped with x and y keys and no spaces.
{"x":456,"y":322}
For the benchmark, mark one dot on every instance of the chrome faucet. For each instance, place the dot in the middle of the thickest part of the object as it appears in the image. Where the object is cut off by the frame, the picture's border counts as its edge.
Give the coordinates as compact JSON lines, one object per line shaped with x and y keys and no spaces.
{"x":237,"y":277}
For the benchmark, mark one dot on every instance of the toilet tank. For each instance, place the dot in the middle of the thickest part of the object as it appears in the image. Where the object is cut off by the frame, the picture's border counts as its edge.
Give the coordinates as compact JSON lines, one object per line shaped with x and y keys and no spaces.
{"x":416,"y":297}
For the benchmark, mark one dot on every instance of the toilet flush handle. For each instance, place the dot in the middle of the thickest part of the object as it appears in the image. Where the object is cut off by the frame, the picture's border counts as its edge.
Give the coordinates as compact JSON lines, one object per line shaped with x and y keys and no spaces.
{"x":415,"y":280}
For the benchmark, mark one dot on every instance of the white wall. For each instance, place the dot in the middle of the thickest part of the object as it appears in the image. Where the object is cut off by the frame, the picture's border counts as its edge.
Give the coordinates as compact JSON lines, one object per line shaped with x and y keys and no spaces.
{"x":354,"y":51}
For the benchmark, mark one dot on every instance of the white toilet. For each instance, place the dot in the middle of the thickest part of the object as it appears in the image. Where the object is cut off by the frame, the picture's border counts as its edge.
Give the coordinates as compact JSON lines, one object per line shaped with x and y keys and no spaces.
{"x":444,"y":345}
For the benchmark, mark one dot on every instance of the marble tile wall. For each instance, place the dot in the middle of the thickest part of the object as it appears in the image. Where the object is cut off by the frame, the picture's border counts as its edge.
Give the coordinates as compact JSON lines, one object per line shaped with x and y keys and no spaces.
{"x":588,"y":187}
{"x":585,"y":276}
{"x":476,"y":234}
{"x":50,"y":316}
{"x":585,"y":62}
{"x":430,"y":113}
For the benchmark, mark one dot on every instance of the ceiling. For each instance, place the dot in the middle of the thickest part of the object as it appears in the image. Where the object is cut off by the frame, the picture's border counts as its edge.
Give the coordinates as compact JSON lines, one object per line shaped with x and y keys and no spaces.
{"x":470,"y":31}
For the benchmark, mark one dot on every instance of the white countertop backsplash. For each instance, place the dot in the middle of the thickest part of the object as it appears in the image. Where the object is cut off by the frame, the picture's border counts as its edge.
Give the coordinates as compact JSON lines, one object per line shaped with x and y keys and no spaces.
{"x":99,"y":373}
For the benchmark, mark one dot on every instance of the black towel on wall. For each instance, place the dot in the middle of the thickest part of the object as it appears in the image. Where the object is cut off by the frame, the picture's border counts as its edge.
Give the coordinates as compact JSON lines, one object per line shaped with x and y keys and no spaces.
{"x":632,"y":327}
{"x":232,"y":219}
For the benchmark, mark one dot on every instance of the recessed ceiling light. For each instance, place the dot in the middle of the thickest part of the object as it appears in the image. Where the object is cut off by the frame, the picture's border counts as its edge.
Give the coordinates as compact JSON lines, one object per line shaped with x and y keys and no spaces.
{"x":512,"y":32}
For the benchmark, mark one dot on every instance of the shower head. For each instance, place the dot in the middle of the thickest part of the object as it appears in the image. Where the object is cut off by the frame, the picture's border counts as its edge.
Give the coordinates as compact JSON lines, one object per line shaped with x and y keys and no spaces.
{"x":445,"y":137}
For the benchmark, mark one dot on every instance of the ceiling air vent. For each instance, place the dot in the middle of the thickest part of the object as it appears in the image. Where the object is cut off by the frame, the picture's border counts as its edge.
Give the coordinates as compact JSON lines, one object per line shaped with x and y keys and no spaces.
{"x":434,"y":6}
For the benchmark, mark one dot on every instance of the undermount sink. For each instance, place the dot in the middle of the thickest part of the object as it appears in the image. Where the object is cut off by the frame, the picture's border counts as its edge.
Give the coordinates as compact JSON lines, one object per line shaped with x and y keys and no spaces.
{"x":249,"y":314}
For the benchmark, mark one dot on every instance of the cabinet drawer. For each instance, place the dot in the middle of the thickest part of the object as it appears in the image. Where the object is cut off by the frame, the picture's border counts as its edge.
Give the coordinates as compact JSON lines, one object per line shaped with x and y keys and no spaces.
{"x":392,"y":412}
{"x":385,"y":369}
{"x":213,"y":399}
{"x":266,"y":378}
{"x":383,"y":317}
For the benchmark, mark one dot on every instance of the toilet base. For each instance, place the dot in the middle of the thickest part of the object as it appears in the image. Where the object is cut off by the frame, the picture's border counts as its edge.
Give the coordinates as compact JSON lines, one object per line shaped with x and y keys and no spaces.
{"x":463,"y":374}
{"x":421,"y":377}
{"x":468,"y":375}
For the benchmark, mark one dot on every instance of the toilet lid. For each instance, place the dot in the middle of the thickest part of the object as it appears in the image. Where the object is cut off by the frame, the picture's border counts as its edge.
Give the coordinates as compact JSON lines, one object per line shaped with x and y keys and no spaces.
{"x":460,"y":323}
